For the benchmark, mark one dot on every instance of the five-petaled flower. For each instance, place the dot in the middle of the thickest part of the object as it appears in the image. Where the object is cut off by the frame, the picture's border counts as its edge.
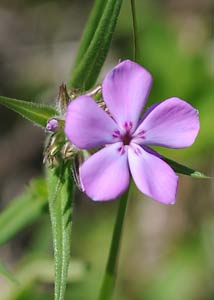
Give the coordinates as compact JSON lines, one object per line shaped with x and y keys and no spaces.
{"x":125,"y":136}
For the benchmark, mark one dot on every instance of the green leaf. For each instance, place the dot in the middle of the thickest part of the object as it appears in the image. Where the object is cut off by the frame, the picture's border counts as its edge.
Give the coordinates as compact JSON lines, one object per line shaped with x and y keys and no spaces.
{"x":90,"y":29}
{"x":87,"y":70}
{"x":4,"y":271}
{"x":23,"y":210}
{"x":178,"y":168}
{"x":60,"y":205}
{"x":37,"y":113}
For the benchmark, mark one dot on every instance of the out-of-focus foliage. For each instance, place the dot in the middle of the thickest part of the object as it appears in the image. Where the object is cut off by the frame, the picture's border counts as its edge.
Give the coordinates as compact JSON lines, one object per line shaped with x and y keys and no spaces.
{"x":23,"y":210}
{"x":5,"y":272}
{"x":35,"y":270}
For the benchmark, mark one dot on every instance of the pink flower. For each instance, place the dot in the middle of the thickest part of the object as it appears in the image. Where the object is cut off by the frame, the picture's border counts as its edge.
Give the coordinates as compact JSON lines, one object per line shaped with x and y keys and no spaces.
{"x":125,"y":136}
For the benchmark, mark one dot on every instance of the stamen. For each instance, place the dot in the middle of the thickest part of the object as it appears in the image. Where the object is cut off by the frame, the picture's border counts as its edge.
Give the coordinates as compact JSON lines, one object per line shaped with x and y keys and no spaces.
{"x":128,"y":126}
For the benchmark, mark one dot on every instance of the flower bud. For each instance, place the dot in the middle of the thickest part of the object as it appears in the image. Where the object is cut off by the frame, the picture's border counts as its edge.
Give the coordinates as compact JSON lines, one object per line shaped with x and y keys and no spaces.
{"x":52,"y":125}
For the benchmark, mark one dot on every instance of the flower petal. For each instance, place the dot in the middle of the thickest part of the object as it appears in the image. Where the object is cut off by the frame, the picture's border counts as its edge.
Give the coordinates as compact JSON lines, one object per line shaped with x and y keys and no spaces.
{"x":172,"y":123}
{"x":152,"y":175}
{"x":125,"y":91}
{"x":87,"y":125}
{"x":105,"y":175}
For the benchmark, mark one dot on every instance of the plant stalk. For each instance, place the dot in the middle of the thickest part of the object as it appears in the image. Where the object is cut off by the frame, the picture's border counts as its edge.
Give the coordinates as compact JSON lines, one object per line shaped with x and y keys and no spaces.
{"x":135,"y":32}
{"x":108,"y":283}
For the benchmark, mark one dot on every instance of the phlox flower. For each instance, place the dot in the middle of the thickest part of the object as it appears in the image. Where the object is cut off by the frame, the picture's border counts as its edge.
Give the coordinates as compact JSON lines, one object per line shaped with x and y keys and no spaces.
{"x":125,"y":136}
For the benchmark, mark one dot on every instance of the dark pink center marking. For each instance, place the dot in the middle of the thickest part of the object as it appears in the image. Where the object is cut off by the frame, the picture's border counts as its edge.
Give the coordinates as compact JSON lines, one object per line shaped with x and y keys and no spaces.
{"x":116,"y":134}
{"x":121,"y":150}
{"x":141,"y":134}
{"x":137,"y":151}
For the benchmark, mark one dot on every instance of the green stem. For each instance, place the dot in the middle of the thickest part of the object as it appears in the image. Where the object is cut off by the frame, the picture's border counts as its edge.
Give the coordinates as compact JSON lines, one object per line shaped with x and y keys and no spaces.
{"x":111,"y":267}
{"x":135,"y":31}
{"x":60,"y":191}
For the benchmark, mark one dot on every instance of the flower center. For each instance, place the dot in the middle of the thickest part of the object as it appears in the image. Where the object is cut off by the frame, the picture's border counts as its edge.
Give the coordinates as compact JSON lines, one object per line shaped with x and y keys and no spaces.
{"x":126,"y":135}
{"x":126,"y":138}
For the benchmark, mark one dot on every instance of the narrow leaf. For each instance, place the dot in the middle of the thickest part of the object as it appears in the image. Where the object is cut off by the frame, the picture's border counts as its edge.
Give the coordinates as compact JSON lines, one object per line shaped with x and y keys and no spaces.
{"x":7,"y":274}
{"x":23,"y":210}
{"x":86,"y":72}
{"x":37,"y":113}
{"x":60,"y":205}
{"x":90,"y":29}
{"x":178,"y":168}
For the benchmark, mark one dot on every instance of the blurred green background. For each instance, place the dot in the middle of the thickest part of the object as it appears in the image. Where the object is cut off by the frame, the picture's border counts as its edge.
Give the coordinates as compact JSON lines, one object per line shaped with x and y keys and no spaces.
{"x":166,"y":251}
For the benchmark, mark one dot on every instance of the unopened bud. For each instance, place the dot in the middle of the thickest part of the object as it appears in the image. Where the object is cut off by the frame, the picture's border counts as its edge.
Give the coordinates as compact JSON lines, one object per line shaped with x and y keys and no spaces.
{"x":52,"y":125}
